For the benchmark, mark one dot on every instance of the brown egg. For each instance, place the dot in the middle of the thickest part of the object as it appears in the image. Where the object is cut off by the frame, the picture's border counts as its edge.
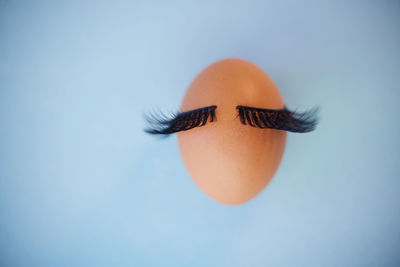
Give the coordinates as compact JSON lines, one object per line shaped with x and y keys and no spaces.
{"x":229,"y":161}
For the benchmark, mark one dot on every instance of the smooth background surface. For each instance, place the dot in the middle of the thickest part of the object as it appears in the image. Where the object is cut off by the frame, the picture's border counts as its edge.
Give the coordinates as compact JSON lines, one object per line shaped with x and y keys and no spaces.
{"x":82,"y":185}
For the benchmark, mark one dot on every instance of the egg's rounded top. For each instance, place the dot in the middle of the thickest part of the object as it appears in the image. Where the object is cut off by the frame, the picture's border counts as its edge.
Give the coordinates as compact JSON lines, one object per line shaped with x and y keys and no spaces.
{"x":229,"y":161}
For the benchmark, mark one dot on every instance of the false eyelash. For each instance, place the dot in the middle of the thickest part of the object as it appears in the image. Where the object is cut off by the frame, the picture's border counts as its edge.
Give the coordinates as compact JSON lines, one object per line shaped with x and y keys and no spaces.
{"x":280,"y":119}
{"x":182,"y":121}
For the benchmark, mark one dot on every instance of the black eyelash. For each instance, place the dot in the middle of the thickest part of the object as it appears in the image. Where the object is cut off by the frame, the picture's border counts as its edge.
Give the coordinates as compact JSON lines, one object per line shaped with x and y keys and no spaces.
{"x":280,"y":119}
{"x":183,"y":121}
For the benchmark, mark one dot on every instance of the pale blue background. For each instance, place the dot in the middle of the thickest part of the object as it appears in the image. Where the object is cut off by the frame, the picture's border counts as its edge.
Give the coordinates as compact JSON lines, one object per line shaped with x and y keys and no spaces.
{"x":82,"y":185}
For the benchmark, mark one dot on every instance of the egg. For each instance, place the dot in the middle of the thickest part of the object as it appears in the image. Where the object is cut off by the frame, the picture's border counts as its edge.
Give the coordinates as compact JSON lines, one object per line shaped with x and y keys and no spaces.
{"x":231,"y":162}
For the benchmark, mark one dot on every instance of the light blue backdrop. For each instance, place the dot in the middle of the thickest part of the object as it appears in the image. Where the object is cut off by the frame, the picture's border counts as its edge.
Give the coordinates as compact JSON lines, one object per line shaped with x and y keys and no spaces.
{"x":82,"y":185}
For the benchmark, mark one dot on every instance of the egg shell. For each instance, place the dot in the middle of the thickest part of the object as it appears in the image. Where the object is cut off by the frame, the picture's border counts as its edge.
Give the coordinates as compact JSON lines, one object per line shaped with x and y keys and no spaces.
{"x":229,"y":161}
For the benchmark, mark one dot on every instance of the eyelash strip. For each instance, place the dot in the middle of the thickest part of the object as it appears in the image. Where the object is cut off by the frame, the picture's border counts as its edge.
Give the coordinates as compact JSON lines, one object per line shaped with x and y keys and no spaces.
{"x":280,"y":119}
{"x":181,"y":121}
